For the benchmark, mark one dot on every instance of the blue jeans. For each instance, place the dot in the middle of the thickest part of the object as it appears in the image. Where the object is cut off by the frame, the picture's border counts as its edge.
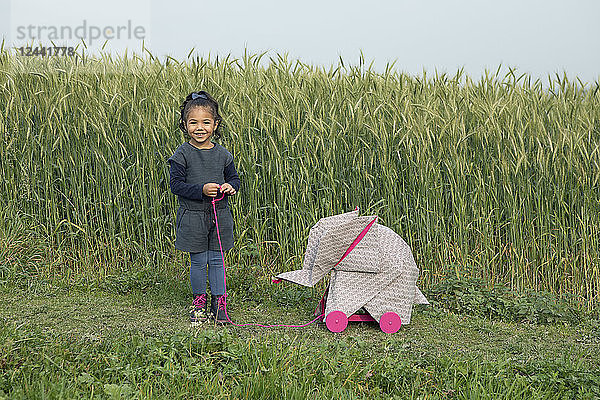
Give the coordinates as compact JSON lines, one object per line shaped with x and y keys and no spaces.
{"x":216,"y":274}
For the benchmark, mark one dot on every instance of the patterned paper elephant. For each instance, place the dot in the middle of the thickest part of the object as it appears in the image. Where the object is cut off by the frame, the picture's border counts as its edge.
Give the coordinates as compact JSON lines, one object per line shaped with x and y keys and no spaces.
{"x":372,"y":267}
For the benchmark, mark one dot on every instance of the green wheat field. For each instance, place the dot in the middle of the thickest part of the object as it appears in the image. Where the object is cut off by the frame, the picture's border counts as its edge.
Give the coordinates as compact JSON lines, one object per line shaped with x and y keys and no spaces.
{"x":494,"y":183}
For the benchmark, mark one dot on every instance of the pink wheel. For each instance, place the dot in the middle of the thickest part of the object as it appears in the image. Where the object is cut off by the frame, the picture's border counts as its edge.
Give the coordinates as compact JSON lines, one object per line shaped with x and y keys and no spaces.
{"x":390,"y":322}
{"x":336,"y":321}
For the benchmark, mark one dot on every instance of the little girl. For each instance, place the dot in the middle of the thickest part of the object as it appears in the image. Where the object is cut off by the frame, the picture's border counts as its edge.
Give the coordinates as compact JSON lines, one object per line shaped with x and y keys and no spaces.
{"x":199,"y":171}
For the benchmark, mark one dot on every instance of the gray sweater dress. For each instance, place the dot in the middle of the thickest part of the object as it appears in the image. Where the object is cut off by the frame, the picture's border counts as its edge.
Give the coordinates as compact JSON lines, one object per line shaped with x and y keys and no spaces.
{"x":191,"y":168}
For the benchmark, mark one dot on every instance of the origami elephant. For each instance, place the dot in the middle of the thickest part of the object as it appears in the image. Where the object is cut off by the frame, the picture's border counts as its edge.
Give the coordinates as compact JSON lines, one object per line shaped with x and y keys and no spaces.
{"x":372,"y":268}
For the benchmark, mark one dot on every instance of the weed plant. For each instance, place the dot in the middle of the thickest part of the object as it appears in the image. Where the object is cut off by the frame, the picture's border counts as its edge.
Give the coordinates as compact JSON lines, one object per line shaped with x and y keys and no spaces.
{"x":499,"y":173}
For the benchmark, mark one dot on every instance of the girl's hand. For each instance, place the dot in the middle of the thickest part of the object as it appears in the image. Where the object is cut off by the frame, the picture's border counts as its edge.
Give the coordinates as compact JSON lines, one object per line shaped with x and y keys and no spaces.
{"x":228,"y":189}
{"x":211,"y":189}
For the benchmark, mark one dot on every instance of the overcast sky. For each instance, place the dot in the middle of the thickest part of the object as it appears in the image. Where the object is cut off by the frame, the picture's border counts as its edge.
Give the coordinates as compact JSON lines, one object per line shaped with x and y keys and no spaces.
{"x":538,"y":37}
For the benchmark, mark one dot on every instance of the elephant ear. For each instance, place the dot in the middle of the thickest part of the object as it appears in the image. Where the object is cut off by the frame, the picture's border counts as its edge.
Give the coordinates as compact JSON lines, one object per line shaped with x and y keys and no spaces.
{"x":305,"y":276}
{"x":366,"y":256}
{"x":317,"y":232}
{"x":339,"y":241}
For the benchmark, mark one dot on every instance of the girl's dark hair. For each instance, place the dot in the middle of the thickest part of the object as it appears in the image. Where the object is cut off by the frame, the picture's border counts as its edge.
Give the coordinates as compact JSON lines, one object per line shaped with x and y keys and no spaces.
{"x":200,"y":99}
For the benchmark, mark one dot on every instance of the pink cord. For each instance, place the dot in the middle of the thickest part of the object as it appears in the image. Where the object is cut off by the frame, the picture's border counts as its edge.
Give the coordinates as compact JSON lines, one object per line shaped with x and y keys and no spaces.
{"x":225,"y":282}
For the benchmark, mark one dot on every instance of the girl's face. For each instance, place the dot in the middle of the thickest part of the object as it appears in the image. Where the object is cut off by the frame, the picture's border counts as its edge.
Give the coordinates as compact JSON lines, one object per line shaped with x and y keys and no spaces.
{"x":200,"y":126}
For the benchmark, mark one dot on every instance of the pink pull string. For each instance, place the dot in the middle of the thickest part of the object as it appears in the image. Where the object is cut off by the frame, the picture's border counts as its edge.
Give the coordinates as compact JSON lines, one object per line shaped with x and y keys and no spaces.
{"x":225,"y":281}
{"x":224,"y":297}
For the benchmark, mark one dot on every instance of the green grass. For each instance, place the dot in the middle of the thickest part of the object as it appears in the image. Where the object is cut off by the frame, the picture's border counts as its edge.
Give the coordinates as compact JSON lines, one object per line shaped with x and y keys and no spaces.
{"x":495,"y":185}
{"x":65,"y":342}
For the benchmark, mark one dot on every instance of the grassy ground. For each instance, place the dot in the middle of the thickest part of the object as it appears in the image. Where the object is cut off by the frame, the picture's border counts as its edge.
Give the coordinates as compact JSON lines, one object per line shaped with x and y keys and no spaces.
{"x":91,"y":342}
